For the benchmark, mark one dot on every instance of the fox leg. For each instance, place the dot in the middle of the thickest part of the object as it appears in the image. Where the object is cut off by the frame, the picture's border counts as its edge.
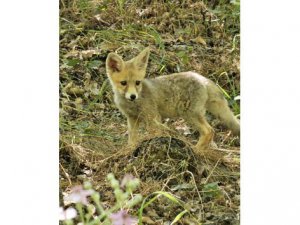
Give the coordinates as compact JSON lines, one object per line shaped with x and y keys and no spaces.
{"x":206,"y":132}
{"x":157,"y":127}
{"x":154,"y":124}
{"x":133,"y":125}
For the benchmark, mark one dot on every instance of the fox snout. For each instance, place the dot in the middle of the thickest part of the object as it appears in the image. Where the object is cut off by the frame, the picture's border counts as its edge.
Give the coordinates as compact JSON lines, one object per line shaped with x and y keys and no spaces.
{"x":132,"y":90}
{"x":131,"y":96}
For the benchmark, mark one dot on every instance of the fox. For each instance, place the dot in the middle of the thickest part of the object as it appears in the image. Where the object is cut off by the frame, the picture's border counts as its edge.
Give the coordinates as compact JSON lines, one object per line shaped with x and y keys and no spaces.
{"x":186,"y":95}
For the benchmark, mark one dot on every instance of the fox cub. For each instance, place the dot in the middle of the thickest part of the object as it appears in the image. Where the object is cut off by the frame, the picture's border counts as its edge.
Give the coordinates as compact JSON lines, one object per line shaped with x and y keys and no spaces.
{"x":186,"y":95}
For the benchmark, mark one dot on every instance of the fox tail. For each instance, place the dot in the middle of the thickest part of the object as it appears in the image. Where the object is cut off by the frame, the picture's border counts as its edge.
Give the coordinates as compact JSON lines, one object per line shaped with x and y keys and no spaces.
{"x":218,"y":106}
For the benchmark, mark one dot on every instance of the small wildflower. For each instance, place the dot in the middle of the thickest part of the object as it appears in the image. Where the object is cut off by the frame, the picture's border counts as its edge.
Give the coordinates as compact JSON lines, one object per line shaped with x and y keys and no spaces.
{"x":130,"y":182}
{"x":69,"y":213}
{"x":122,"y":218}
{"x":110,"y":176}
{"x":126,"y":179}
{"x":87,"y":185}
{"x":79,"y":195}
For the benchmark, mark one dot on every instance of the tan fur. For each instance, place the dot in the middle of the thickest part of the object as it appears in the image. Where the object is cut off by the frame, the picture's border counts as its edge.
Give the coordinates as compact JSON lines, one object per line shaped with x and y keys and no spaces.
{"x":184,"y":95}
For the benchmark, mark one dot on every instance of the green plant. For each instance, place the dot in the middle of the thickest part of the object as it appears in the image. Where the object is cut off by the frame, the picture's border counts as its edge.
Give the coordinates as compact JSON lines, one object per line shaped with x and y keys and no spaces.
{"x":94,"y":213}
{"x":152,"y":197}
{"x":211,"y":190}
{"x":233,"y":97}
{"x":120,"y":4}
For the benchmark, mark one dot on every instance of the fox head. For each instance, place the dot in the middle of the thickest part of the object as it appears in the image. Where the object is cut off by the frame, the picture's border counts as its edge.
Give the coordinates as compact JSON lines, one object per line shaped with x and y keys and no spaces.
{"x":126,"y":77}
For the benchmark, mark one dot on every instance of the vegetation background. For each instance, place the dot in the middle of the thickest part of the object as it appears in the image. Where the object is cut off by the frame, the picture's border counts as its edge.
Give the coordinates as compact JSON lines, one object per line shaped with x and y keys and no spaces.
{"x":202,"y":36}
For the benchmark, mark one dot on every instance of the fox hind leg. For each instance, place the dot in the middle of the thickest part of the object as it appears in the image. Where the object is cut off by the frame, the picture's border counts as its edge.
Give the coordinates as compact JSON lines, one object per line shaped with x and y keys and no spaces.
{"x":206,"y":133}
{"x":205,"y":130}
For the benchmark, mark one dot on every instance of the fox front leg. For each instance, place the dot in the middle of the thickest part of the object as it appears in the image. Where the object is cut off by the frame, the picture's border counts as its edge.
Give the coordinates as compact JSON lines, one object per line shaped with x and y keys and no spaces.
{"x":133,"y":125}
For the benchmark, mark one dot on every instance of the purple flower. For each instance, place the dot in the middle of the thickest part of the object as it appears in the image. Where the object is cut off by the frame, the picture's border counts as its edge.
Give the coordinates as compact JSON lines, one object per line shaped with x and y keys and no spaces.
{"x":67,"y":214}
{"x":79,"y":195}
{"x":122,"y":218}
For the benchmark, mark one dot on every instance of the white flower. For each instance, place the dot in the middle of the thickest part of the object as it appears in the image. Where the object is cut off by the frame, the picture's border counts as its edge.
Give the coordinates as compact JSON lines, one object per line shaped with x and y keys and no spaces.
{"x":79,"y":195}
{"x":122,"y":218}
{"x":67,"y":214}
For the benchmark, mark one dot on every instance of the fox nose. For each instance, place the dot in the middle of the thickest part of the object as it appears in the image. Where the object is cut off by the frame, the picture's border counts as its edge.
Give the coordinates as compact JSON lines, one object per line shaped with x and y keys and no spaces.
{"x":132,"y":97}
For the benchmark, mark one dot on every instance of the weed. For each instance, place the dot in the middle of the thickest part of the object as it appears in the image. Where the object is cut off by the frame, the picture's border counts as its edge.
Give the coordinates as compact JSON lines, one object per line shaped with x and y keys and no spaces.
{"x":95,"y":213}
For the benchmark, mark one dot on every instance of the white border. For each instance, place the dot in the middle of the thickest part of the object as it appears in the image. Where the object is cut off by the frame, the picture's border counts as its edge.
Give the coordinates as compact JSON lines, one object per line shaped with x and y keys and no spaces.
{"x":29,"y":112}
{"x":270,"y":87}
{"x":270,"y":112}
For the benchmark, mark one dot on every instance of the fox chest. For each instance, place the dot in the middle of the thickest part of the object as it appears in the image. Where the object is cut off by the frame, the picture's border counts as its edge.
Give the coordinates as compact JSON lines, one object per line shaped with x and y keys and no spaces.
{"x":129,"y":108}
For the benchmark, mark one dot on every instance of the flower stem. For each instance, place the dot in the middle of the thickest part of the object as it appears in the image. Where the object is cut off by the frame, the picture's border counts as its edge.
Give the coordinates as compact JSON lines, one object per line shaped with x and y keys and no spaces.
{"x":79,"y":208}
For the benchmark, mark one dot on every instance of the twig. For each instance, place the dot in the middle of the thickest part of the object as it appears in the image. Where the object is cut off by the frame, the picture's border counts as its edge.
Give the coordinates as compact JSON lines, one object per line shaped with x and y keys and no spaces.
{"x":211,"y":172}
{"x":198,"y":192}
{"x":66,"y":174}
{"x":226,"y":150}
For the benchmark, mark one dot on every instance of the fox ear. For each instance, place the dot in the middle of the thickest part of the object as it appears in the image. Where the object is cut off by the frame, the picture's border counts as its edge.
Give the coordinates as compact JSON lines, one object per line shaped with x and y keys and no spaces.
{"x":141,"y":61}
{"x":114,"y":63}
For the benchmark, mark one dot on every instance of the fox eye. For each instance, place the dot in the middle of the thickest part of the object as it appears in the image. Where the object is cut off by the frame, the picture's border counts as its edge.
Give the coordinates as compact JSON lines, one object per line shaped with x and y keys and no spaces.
{"x":124,"y":82}
{"x":138,"y":82}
